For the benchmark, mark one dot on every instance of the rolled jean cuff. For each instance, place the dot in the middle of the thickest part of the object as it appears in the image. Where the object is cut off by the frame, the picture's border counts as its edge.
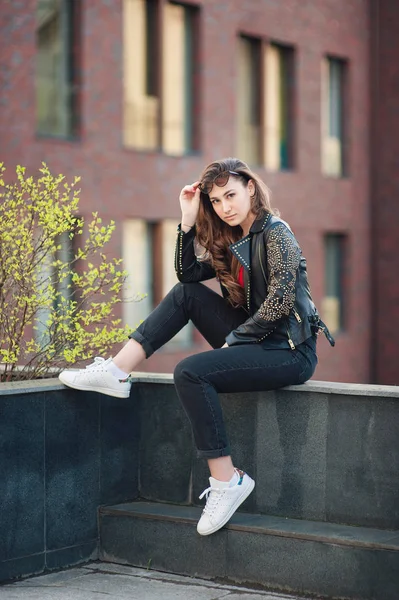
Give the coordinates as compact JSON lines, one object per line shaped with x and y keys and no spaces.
{"x":148,"y":349}
{"x":214,"y":453}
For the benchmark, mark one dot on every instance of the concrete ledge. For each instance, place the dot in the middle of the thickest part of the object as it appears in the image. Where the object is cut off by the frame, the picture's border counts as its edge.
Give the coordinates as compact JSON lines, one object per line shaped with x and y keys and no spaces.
{"x":284,"y":554}
{"x":323,"y":387}
{"x":314,"y":455}
{"x":62,"y":454}
{"x":329,"y":533}
{"x":319,"y":452}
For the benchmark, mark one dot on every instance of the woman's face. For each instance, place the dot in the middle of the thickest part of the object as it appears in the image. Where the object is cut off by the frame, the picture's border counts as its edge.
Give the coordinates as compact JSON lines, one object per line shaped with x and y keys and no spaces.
{"x":232,"y":202}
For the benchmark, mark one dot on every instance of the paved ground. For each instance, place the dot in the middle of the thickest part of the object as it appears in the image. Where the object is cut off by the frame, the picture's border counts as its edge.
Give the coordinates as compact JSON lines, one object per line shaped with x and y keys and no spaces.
{"x":102,"y":581}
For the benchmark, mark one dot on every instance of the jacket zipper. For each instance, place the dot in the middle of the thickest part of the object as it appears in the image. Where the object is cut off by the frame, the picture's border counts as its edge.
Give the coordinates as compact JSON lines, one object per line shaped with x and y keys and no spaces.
{"x":291,"y":343}
{"x":261,"y":264}
{"x":298,"y":318}
{"x":249,"y":292}
{"x":179,"y":254}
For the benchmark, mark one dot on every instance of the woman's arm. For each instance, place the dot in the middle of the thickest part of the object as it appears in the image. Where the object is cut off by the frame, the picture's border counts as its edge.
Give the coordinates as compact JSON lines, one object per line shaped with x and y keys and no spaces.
{"x":187,"y":266}
{"x":283,"y":258}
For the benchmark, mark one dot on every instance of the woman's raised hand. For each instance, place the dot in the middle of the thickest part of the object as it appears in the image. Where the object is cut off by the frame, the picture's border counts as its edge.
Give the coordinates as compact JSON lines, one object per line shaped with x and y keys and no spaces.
{"x":189,"y":203}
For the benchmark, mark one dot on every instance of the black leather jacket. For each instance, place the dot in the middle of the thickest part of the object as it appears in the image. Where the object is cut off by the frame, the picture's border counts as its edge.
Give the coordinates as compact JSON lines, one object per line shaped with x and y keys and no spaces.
{"x":278,"y":299}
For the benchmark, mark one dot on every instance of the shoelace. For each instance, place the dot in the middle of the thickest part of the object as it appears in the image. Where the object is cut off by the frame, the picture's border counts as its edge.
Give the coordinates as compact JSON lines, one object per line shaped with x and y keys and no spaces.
{"x":98,"y":362}
{"x":212,"y":498}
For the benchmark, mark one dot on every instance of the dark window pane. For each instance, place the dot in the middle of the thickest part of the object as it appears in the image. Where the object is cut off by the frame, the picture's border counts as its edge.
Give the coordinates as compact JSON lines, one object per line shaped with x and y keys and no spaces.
{"x":286,"y":89}
{"x":254,"y":116}
{"x":152,"y":47}
{"x":335,"y":120}
{"x":55,"y":90}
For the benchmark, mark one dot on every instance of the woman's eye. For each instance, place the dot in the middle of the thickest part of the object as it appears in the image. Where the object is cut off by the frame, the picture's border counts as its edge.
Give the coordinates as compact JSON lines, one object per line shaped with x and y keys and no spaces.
{"x":230,"y":195}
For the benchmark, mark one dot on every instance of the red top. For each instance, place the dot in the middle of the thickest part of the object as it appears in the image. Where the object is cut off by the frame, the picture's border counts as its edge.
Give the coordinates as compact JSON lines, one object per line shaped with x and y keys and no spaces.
{"x":240,"y":278}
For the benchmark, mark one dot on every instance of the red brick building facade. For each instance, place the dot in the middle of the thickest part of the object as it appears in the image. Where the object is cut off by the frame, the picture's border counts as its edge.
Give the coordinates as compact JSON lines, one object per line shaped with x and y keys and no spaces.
{"x":361,"y":205}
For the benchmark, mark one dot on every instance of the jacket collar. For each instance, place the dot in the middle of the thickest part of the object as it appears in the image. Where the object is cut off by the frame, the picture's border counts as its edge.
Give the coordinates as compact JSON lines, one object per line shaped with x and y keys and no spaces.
{"x":242,"y":248}
{"x":259,"y":224}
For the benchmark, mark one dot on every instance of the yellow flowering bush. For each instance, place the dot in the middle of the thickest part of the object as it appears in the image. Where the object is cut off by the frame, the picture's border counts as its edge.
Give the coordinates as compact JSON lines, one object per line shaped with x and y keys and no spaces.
{"x":58,"y":290}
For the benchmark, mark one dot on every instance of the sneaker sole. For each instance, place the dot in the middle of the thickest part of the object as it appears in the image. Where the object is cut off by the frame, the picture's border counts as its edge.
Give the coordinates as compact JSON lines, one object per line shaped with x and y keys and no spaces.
{"x":239,"y":501}
{"x":100,"y":390}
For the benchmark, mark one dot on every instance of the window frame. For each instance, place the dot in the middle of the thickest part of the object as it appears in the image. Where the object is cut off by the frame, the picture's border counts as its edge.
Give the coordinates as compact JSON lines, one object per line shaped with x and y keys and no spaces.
{"x":71,"y":41}
{"x":344,"y":117}
{"x":290,"y":51}
{"x":259,"y":41}
{"x":195,"y":88}
{"x":342,"y":246}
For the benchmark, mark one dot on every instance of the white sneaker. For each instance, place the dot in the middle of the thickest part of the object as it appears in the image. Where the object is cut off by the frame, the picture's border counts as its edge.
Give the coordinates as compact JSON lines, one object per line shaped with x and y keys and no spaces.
{"x":222,"y":502}
{"x":96,"y":378}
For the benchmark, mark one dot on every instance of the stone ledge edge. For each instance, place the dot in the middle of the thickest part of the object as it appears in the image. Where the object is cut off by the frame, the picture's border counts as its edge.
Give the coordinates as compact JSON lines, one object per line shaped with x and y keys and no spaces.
{"x":330,"y":533}
{"x":322,"y":387}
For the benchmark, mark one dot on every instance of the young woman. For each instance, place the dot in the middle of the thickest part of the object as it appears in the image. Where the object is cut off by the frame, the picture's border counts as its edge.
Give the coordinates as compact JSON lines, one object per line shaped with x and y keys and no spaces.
{"x":262,"y":328}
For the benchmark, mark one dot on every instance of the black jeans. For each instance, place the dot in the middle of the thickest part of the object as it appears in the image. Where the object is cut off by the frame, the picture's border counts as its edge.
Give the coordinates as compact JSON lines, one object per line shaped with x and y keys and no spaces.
{"x":242,"y":368}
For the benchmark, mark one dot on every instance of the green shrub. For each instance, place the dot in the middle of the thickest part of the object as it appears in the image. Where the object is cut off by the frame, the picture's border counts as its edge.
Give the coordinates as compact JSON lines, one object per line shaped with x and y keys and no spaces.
{"x":55,"y":309}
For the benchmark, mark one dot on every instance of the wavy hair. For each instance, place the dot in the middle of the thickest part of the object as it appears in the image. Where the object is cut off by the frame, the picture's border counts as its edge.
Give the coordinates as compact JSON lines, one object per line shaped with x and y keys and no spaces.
{"x":215,"y":236}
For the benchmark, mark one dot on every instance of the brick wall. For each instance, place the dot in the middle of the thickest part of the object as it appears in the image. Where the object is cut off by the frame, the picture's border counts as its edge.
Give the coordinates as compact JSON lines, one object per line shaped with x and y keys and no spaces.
{"x":122,"y":183}
{"x":385,"y":191}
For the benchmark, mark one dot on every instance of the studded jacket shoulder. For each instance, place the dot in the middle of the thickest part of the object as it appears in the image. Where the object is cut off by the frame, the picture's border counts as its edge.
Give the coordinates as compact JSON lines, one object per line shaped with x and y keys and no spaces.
{"x":278,"y":298}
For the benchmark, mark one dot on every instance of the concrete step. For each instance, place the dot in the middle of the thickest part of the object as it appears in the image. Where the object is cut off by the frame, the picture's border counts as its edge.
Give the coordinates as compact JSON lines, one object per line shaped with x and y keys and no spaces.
{"x":291,"y":555}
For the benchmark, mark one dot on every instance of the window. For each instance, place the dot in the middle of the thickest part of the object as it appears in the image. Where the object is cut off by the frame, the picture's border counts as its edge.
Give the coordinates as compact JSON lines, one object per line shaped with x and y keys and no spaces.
{"x":65,"y":254}
{"x":184,"y":337}
{"x":44,"y":276}
{"x":248,"y":99}
{"x":178,"y":79}
{"x":137,"y":261}
{"x":148,"y":257}
{"x":59,"y":281}
{"x":265,"y":96}
{"x":332,"y":116}
{"x":154,"y":116}
{"x":56,"y":79}
{"x":278,"y":97}
{"x":141,"y":58}
{"x":333,"y":302}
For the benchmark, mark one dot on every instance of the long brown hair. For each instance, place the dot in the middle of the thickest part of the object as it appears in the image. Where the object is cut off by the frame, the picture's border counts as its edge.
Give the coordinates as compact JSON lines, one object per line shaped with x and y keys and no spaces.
{"x":215,"y":235}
